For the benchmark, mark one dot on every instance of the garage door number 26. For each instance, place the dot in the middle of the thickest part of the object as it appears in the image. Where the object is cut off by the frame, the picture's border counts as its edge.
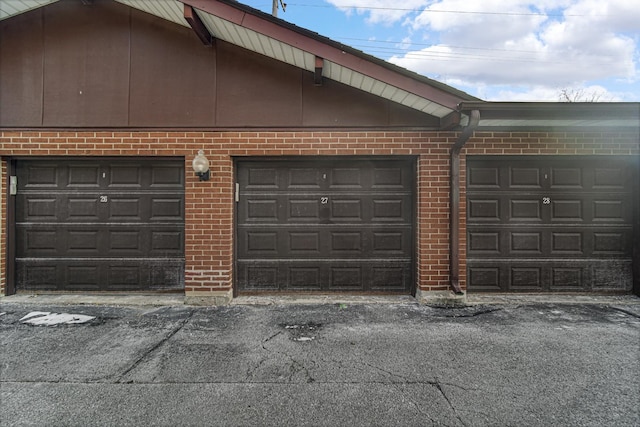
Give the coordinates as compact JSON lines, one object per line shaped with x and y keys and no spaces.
{"x":324,"y":200}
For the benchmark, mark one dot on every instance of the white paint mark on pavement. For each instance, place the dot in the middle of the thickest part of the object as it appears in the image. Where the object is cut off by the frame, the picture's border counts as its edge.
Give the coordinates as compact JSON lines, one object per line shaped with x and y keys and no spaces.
{"x":51,"y":319}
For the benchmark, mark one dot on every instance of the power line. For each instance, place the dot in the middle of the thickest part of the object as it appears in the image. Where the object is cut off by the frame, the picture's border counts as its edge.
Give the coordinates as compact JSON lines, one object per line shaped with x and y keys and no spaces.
{"x":395,"y":42}
{"x":402,"y":9}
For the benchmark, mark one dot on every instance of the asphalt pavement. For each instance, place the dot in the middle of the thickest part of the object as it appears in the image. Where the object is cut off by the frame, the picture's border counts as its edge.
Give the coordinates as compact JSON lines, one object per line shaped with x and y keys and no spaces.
{"x":330,"y":364}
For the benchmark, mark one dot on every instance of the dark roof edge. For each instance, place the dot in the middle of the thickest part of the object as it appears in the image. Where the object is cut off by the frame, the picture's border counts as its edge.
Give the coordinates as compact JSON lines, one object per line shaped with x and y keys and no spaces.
{"x":337,"y":45}
{"x":553,"y":110}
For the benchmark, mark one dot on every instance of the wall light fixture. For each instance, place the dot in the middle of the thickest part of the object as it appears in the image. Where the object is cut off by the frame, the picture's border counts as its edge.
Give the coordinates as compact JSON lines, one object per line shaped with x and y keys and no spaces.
{"x":201,"y":166}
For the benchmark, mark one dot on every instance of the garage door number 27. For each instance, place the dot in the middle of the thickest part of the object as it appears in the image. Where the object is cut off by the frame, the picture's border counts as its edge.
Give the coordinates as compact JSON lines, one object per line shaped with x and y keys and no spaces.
{"x":324,"y":200}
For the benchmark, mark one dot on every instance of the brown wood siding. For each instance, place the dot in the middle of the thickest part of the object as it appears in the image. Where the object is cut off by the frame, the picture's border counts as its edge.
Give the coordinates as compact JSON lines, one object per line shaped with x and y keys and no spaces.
{"x":255,"y":90}
{"x":168,"y":63}
{"x":107,"y":65}
{"x":21,"y":70}
{"x":86,"y":63}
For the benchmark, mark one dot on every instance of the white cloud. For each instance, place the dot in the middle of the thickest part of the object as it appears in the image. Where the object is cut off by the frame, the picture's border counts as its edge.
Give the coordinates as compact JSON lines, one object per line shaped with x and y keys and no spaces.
{"x":539,"y":46}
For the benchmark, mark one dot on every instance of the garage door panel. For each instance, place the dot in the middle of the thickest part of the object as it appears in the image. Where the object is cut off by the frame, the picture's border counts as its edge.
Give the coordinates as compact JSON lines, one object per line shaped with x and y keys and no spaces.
{"x":166,"y":242}
{"x":263,"y":210}
{"x":612,"y":275}
{"x":612,"y":210}
{"x":304,"y":178}
{"x":165,"y":208}
{"x":612,"y":242}
{"x":565,"y":177}
{"x":345,"y":178}
{"x":567,"y":210}
{"x":482,"y":242}
{"x":567,"y":243}
{"x":526,"y":278}
{"x":260,"y":177}
{"x":525,"y":178}
{"x":484,"y":209}
{"x":43,"y":242}
{"x":346,"y":210}
{"x":304,"y":278}
{"x":552,"y":223}
{"x":83,"y":277}
{"x":124,"y":208}
{"x":40,"y":176}
{"x":485,"y":278}
{"x":323,"y":225}
{"x":37,"y":208}
{"x":347,"y":242}
{"x":482,"y":177}
{"x":42,"y":276}
{"x":525,"y":209}
{"x":610,"y":178}
{"x":79,"y":208}
{"x":166,"y":176}
{"x":83,"y":176}
{"x":100,"y":225}
{"x":390,"y":178}
{"x":526,"y":242}
{"x":127,"y":176}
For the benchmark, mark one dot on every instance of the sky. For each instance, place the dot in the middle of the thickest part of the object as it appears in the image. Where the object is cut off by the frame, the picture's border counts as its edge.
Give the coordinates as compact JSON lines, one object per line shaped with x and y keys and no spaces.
{"x":496,"y":50}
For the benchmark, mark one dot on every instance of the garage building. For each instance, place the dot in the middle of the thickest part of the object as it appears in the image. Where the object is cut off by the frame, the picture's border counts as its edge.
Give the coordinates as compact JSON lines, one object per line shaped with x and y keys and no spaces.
{"x":329,"y":170}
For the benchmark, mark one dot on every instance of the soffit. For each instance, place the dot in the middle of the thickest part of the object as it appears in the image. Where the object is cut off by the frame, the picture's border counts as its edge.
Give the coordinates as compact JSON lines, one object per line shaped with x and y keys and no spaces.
{"x":9,"y":8}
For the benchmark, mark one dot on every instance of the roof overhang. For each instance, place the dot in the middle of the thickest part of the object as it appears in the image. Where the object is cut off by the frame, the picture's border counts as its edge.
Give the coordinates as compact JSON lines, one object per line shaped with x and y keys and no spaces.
{"x":514,"y":115}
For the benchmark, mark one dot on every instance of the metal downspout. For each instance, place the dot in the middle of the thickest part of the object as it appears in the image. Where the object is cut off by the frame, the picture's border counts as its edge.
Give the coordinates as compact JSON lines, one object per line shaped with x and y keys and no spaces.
{"x":454,"y":202}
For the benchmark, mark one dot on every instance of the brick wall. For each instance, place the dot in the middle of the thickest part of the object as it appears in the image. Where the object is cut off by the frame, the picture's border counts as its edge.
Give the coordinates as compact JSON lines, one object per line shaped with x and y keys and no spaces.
{"x":209,"y":205}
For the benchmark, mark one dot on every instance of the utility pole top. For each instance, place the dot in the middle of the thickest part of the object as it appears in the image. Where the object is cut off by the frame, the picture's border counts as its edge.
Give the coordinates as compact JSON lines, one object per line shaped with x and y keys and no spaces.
{"x":274,"y":9}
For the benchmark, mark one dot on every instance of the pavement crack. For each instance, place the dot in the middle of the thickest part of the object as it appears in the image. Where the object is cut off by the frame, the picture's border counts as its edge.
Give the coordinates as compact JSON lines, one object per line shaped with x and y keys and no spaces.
{"x":264,"y":342}
{"x":151,"y":350}
{"x":628,"y":312}
{"x":438,"y":387}
{"x":391,"y":374}
{"x":295,"y":366}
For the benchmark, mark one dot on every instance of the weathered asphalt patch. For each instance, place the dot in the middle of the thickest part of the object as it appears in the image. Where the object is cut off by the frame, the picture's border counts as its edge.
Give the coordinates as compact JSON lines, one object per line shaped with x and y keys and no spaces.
{"x":303,"y":332}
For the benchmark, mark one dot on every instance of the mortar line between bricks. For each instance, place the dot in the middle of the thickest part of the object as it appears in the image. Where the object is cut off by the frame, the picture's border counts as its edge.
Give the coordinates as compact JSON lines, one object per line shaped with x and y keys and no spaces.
{"x":156,"y":346}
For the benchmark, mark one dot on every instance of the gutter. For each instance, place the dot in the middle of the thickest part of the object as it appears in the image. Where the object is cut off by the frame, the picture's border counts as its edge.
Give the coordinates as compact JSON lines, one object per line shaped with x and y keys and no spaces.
{"x":454,"y":202}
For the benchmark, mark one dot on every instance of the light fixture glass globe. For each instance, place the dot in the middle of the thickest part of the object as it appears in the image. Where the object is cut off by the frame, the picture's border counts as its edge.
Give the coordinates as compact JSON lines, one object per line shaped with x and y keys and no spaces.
{"x":200,"y":163}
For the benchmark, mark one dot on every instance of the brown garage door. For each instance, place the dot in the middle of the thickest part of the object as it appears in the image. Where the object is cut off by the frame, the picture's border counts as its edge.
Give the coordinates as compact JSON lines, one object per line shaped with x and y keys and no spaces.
{"x":550,"y":223}
{"x":325,"y":225}
{"x":100,"y":225}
